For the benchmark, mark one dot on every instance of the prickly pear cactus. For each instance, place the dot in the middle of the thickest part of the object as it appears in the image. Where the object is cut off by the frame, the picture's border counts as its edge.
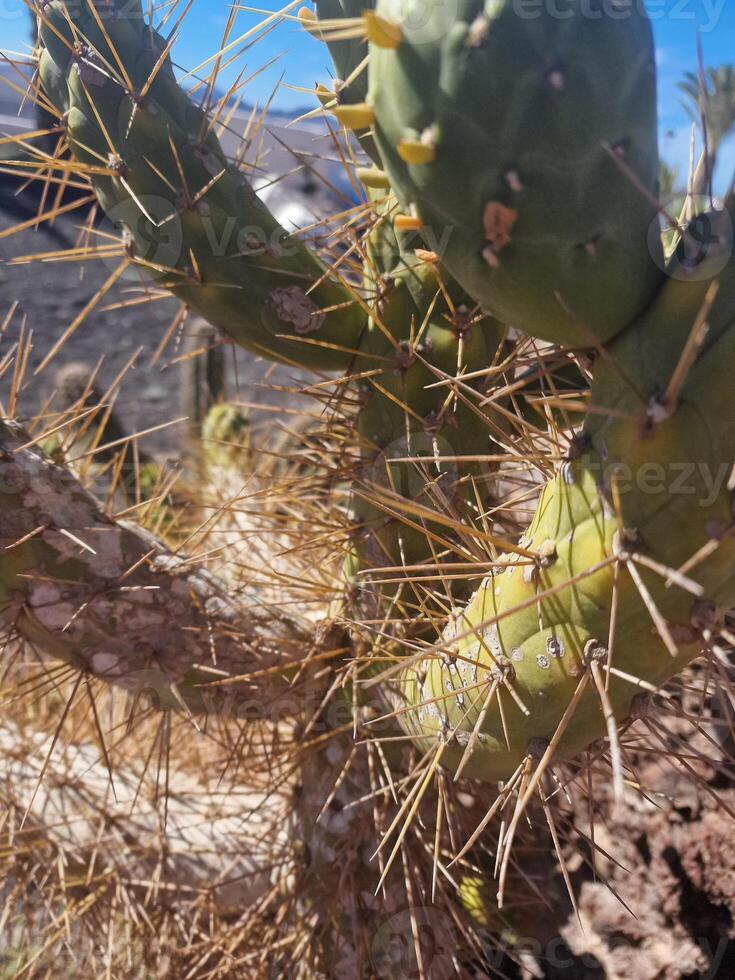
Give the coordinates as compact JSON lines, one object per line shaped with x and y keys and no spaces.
{"x":418,"y":441}
{"x":347,"y":54}
{"x":501,"y":132}
{"x":512,"y":182}
{"x":517,"y":136}
{"x":149,"y":149}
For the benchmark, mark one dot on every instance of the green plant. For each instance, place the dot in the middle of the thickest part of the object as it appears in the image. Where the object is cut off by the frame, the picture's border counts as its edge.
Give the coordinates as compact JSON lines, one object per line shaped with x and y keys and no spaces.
{"x":711,"y":98}
{"x":450,"y":93}
{"x":513,"y":181}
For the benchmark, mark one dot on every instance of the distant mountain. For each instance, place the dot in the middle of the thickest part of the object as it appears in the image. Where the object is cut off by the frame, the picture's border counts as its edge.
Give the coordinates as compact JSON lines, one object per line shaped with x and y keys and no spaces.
{"x":315,"y":182}
{"x":10,"y":100}
{"x":16,"y":114}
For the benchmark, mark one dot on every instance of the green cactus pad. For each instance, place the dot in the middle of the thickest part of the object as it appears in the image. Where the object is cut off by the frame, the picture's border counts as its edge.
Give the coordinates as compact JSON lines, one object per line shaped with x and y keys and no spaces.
{"x":538,"y":122}
{"x":347,"y":55}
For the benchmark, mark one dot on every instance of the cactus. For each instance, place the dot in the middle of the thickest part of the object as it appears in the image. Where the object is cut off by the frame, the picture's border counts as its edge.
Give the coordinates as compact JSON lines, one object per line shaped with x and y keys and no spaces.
{"x":202,"y":376}
{"x":350,"y":87}
{"x":470,"y":90}
{"x":405,"y":417}
{"x":541,"y":630}
{"x":154,"y":146}
{"x":111,"y":599}
{"x":522,"y":153}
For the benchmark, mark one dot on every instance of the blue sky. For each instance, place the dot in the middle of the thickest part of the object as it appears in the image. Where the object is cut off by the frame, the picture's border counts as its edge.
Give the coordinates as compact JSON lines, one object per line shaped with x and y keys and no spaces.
{"x":302,"y":61}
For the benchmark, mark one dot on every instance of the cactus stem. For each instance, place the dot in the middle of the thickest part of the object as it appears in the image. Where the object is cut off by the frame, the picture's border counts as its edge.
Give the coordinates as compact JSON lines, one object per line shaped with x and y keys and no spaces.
{"x":691,"y":350}
{"x":662,"y":627}
{"x":530,"y":782}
